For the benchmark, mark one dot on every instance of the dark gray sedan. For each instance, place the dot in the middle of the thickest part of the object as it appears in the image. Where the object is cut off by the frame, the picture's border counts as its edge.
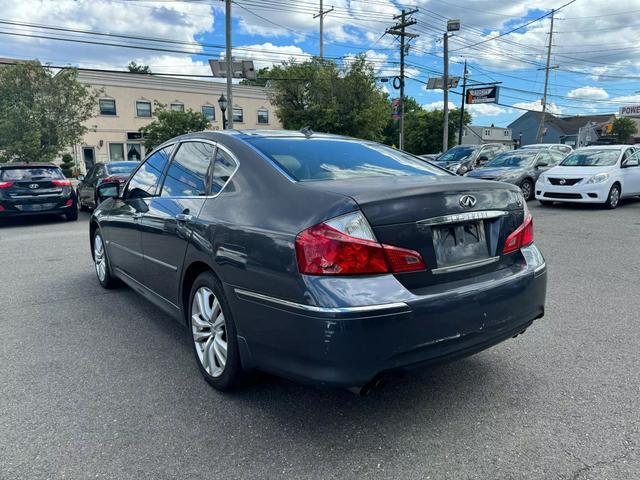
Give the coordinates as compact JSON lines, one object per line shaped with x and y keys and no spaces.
{"x":520,"y":167}
{"x":317,"y":257}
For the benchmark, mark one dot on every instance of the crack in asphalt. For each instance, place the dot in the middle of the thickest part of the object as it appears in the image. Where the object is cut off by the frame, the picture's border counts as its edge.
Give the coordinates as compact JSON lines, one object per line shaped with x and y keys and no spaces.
{"x":629,"y":448}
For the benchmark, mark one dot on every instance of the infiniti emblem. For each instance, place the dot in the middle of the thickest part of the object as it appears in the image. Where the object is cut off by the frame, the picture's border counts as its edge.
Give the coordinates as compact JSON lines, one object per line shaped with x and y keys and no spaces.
{"x":468,"y":201}
{"x":34,"y":185}
{"x":562,"y":181}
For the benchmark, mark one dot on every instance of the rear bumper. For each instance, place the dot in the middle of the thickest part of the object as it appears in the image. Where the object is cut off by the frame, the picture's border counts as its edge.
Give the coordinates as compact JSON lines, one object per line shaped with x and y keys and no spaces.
{"x":349,"y":345}
{"x":57,"y":207}
{"x":580,"y":193}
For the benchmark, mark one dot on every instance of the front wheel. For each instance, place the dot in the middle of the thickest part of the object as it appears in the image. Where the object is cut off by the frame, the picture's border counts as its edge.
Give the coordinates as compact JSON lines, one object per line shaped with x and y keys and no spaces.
{"x":214,"y":334}
{"x":614,"y":197}
{"x":527,"y":189}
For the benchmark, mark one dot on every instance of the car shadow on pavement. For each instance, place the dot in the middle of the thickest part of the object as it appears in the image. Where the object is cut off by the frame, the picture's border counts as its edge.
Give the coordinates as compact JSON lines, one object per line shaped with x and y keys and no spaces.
{"x":37,"y":220}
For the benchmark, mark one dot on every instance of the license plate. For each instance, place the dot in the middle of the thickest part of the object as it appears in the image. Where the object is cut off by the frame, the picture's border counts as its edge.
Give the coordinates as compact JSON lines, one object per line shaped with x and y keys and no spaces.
{"x":35,"y":207}
{"x":460,"y":243}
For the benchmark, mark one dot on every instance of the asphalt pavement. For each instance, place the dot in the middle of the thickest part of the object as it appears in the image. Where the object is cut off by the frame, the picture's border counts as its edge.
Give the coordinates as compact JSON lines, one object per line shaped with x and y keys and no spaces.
{"x":101,"y":384}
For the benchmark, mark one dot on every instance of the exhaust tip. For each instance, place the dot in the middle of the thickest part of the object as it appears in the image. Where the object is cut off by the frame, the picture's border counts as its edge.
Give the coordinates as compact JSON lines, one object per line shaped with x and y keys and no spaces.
{"x":375,"y":385}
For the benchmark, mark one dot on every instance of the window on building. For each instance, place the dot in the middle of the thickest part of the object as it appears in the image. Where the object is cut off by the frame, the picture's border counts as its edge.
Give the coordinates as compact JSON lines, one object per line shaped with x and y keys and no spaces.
{"x":263,"y":116}
{"x":209,"y":112}
{"x":238,"y":115}
{"x":116,"y":152}
{"x":143,"y":109}
{"x":187,"y":175}
{"x":134,"y":152}
{"x":506,"y":133}
{"x":223,"y":168}
{"x":487,"y":133}
{"x":144,"y":182}
{"x":177,"y":107}
{"x":107,"y":106}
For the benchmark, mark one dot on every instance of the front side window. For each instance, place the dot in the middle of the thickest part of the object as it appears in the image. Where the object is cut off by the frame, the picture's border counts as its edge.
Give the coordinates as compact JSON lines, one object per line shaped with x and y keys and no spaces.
{"x":308,"y":159}
{"x":107,"y":106}
{"x":238,"y":115}
{"x":187,"y":175}
{"x":223,"y":168}
{"x":177,"y":107}
{"x":209,"y":112}
{"x":143,"y":109}
{"x":116,"y":152}
{"x":592,"y":158}
{"x":263,"y":116}
{"x":145,"y":181}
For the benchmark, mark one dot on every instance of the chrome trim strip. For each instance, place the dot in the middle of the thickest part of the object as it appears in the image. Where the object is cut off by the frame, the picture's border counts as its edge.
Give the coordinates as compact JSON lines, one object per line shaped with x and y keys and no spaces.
{"x":126,"y":249}
{"x":465,"y":266}
{"x":311,"y":308}
{"x":46,"y":195}
{"x":160,"y":262}
{"x":462,"y":217}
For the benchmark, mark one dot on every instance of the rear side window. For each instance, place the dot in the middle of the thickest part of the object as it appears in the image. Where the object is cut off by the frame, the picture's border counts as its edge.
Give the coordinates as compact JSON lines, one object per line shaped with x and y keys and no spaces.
{"x":309,"y":159}
{"x":223,"y":168}
{"x":146,"y":180}
{"x":30,"y":174}
{"x":187,"y":175}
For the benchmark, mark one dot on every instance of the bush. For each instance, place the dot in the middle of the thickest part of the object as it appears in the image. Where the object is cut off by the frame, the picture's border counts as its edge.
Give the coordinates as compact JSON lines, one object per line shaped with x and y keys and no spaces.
{"x":67,"y":165}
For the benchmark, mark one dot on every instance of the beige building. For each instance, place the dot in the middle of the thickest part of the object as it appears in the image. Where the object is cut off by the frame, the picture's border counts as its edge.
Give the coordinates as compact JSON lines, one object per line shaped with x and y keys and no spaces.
{"x":127,"y":101}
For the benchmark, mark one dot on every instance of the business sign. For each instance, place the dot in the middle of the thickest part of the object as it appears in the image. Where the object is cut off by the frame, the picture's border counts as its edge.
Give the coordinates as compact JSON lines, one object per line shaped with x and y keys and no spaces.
{"x":438,"y":82}
{"x":630,"y":111}
{"x":395,"y":104}
{"x":482,"y":95}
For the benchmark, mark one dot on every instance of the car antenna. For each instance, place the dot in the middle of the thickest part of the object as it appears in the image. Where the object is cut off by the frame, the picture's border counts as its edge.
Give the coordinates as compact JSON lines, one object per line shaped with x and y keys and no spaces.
{"x":306,"y":131}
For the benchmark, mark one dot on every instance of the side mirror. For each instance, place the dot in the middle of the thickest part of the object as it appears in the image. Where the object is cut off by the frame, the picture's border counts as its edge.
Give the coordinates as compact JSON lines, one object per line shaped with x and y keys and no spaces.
{"x":80,"y":177}
{"x":108,"y":190}
{"x":542,"y":163}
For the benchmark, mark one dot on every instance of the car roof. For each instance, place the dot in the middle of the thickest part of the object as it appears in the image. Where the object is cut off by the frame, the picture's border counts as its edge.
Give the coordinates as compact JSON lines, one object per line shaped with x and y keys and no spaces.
{"x":28,"y":165}
{"x":605,"y":147}
{"x":122,"y":162}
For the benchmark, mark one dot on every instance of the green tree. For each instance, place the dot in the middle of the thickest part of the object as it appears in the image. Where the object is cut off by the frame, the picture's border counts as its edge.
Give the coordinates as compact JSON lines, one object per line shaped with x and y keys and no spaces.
{"x":171,"y":123}
{"x":320,"y":95}
{"x":135,"y":68}
{"x":624,"y":128}
{"x":423,"y":129}
{"x":41,"y":114}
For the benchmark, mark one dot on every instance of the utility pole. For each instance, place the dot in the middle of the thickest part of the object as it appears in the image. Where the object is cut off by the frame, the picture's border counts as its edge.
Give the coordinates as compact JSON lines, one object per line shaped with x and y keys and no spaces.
{"x":445,"y":89}
{"x":229,"y":64}
{"x":546,"y":81}
{"x":464,"y":99}
{"x":399,"y":31}
{"x":321,"y":14}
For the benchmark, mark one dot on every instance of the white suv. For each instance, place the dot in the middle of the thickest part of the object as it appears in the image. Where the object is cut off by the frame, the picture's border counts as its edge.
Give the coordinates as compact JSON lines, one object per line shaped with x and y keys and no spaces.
{"x":598,"y":174}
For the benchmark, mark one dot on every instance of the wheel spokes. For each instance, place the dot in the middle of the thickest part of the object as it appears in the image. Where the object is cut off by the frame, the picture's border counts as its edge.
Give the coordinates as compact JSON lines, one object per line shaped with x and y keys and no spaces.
{"x":209,"y":331}
{"x":220,"y":349}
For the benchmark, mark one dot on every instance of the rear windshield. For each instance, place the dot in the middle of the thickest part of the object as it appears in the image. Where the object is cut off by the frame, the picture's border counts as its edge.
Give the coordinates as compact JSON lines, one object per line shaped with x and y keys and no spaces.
{"x":121,"y":168}
{"x":513,"y":159}
{"x":308,"y":159}
{"x":456,"y":154}
{"x":31,"y":173}
{"x":591,"y":158}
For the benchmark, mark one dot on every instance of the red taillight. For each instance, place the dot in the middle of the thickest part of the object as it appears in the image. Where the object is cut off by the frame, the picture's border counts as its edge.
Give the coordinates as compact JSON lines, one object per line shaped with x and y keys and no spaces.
{"x":69,"y":203}
{"x":6,"y":184}
{"x":324,"y":250}
{"x":2,"y":209}
{"x":62,"y":183}
{"x":521,"y":237}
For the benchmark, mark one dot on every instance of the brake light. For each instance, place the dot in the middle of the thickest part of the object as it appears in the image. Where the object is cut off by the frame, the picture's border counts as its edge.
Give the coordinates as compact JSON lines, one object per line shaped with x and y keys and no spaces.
{"x":522,"y":236}
{"x":6,"y":184}
{"x":69,"y":202}
{"x":346,"y":246}
{"x":62,"y":183}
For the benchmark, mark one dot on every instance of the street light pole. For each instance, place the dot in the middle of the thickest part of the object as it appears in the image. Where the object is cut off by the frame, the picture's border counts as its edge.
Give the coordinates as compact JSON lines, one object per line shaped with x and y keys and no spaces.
{"x":222,"y":102}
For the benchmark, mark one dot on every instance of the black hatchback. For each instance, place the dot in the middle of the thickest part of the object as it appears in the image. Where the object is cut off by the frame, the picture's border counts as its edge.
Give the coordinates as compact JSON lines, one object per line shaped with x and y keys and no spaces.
{"x":36,"y":188}
{"x":317,"y":257}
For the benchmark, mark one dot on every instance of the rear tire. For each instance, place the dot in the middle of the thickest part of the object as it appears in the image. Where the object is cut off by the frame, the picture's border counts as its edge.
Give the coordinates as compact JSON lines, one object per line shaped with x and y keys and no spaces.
{"x":214,"y":334}
{"x":101,"y":261}
{"x":72,"y":216}
{"x":613,"y":200}
{"x":80,"y":204}
{"x":527,"y":189}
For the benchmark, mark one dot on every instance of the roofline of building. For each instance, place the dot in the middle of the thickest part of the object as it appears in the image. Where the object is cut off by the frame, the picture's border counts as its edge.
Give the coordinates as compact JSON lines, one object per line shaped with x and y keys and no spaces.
{"x":166,"y":83}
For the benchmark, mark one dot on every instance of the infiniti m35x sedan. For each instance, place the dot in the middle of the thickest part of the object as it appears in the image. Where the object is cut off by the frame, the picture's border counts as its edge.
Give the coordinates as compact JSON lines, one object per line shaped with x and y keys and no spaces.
{"x":317,"y":257}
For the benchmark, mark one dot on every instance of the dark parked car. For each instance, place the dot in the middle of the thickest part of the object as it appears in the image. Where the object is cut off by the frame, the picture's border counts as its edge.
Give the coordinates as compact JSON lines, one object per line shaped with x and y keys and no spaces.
{"x":520,"y":167}
{"x":112,"y":172}
{"x":464,"y":158}
{"x":318,"y":257}
{"x":36,"y":188}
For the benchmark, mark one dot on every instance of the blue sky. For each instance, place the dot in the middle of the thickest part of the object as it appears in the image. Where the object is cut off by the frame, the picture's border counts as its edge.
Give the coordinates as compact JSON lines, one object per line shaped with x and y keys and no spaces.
{"x":594,"y":48}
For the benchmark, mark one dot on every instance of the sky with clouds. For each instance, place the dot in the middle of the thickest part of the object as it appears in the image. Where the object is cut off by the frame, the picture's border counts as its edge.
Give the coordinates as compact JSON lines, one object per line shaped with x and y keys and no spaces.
{"x":595,"y":56}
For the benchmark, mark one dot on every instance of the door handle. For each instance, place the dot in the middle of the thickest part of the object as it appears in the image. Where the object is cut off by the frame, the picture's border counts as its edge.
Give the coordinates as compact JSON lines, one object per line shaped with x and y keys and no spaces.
{"x":184,"y":217}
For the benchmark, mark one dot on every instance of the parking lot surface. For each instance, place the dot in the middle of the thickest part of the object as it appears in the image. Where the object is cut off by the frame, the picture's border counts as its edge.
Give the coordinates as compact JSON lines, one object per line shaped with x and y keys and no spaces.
{"x":101,"y":384}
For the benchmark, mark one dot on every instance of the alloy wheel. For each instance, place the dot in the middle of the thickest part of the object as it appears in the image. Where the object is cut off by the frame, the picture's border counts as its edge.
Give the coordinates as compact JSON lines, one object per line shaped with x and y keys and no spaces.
{"x":527,"y":189}
{"x":614,"y":197}
{"x":99,"y":257}
{"x":209,"y":331}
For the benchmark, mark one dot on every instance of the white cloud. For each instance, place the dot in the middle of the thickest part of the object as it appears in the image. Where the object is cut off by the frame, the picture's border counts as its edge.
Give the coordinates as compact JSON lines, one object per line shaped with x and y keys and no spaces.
{"x":486,"y":110}
{"x":537,"y":106}
{"x":268,"y":54}
{"x":587,"y":92}
{"x":438,"y":105}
